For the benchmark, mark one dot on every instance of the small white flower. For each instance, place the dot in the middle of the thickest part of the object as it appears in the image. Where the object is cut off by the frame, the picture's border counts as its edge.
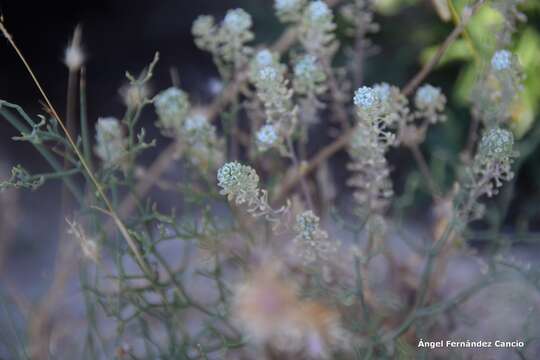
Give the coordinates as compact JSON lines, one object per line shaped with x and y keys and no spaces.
{"x":285,"y":5}
{"x":267,"y":135}
{"x":427,"y":96}
{"x":195,"y":122}
{"x":318,"y":10}
{"x":365,"y":97}
{"x":237,"y":20}
{"x":306,"y":66}
{"x":264,"y":58}
{"x":268,"y":74}
{"x":501,"y":60}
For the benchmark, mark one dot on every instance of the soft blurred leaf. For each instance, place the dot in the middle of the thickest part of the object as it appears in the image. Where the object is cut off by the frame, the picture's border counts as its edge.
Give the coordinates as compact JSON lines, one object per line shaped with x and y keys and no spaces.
{"x":392,"y":7}
{"x":459,"y":50}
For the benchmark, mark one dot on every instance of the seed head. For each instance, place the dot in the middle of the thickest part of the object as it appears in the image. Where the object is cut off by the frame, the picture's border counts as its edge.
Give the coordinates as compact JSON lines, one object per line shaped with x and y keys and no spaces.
{"x":74,"y":55}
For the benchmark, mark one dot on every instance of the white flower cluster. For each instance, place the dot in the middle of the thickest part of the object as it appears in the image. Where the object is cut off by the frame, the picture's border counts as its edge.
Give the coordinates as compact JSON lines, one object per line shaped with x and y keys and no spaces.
{"x":267,"y":137}
{"x":318,"y":11}
{"x":371,"y":179}
{"x":316,"y":32}
{"x":366,"y":98}
{"x":495,"y":93}
{"x":497,"y":143}
{"x":309,"y":76}
{"x":380,"y":109}
{"x":430,"y":102}
{"x":205,"y":149}
{"x":111,"y":143}
{"x":178,"y":120}
{"x":238,"y":182}
{"x":492,"y":163}
{"x":237,"y":21}
{"x":264,"y":58}
{"x":272,"y":89}
{"x":226,"y":42}
{"x":289,"y":10}
{"x":311,"y":243}
{"x":501,"y":60}
{"x":380,"y":104}
{"x":195,"y":123}
{"x":172,"y":107}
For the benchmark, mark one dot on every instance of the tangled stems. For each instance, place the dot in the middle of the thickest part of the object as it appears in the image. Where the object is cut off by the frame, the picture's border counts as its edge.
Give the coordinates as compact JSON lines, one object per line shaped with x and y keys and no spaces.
{"x":111,"y":211}
{"x":342,"y":141}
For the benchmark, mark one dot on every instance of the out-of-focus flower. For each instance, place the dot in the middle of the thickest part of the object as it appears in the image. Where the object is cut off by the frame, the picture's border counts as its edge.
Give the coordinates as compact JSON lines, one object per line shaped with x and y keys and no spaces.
{"x":316,"y":31}
{"x":289,"y":10}
{"x":110,"y":141}
{"x":237,"y":21}
{"x":312,"y":243}
{"x":172,"y":107}
{"x":134,"y":95}
{"x":74,"y":55}
{"x":309,"y":76}
{"x":430,"y":102}
{"x":89,"y":246}
{"x":269,"y":311}
{"x":264,"y":57}
{"x":497,"y":143}
{"x":267,"y":136}
{"x":501,"y":60}
{"x":318,"y":10}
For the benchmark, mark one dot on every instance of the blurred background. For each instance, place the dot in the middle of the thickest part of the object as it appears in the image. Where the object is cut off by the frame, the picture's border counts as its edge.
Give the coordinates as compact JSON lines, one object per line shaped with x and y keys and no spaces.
{"x":120,"y":35}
